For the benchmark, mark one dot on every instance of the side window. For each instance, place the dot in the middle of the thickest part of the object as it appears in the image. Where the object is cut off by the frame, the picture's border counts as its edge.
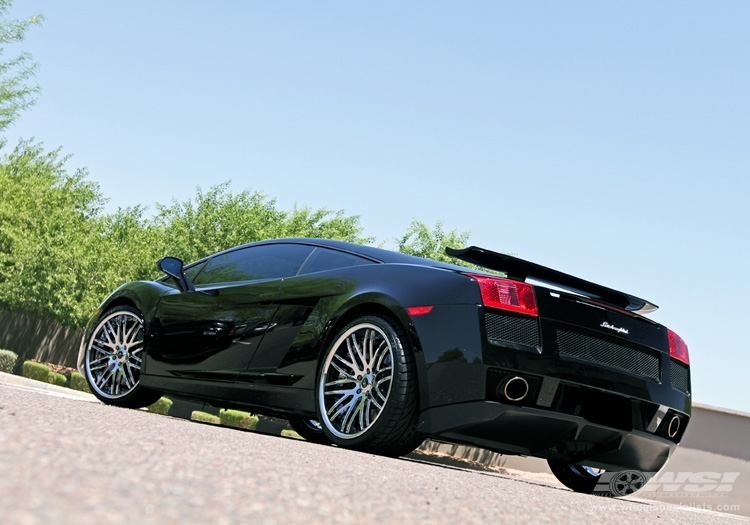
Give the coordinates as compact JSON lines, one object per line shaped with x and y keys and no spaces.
{"x":270,"y":261}
{"x":324,"y":259}
{"x":192,"y":271}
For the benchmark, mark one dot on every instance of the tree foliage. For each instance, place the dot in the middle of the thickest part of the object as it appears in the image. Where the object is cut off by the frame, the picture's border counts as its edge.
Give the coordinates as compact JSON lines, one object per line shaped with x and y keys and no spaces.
{"x":218,"y":219}
{"x":60,"y":255}
{"x":49,"y":225}
{"x":430,"y":242}
{"x":17,"y":89}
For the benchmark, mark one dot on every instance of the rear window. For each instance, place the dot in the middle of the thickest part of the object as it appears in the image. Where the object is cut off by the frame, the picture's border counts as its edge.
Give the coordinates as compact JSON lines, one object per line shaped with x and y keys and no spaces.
{"x":324,"y":259}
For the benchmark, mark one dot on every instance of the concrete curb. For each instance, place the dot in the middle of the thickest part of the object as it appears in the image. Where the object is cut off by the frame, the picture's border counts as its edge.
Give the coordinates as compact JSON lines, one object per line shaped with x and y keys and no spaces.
{"x":25,"y":382}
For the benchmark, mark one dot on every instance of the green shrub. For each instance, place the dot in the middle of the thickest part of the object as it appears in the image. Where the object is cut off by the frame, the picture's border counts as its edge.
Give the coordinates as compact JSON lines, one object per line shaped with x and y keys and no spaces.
{"x":291,"y":434}
{"x":161,"y":407}
{"x":34,"y":370}
{"x":7,"y":361}
{"x":55,"y":378}
{"x":238,"y":419}
{"x":78,"y":382}
{"x":205,"y":417}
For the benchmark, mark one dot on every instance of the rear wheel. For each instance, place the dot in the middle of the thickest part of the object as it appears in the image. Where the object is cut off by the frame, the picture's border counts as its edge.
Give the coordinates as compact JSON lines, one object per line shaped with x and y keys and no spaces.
{"x":113,"y":359}
{"x":367,"y":389}
{"x":588,"y":480}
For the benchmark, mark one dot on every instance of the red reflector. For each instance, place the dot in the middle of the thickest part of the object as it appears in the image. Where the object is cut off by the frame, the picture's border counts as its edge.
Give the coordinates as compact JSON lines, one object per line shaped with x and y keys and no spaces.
{"x":418,"y":310}
{"x":677,"y":347}
{"x":505,"y":294}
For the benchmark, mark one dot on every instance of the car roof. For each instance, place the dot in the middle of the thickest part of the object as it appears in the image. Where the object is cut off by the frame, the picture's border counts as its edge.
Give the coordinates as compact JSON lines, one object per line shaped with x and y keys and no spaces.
{"x":371,"y":252}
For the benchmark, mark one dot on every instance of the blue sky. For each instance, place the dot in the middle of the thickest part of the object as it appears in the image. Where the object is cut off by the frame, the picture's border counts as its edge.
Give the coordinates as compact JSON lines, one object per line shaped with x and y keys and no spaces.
{"x":610,"y":140}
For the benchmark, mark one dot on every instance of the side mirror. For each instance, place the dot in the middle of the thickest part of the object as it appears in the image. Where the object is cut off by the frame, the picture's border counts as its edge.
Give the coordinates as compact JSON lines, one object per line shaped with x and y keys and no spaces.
{"x":173,"y":267}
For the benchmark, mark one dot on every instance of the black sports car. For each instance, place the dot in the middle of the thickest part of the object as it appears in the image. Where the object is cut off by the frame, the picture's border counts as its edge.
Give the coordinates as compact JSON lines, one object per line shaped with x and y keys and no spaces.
{"x":374,"y":350}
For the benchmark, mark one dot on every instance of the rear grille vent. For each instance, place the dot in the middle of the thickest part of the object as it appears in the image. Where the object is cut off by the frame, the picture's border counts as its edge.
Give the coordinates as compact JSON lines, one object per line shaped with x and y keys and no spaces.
{"x":518,"y":330}
{"x":680,"y":376}
{"x":634,"y":360}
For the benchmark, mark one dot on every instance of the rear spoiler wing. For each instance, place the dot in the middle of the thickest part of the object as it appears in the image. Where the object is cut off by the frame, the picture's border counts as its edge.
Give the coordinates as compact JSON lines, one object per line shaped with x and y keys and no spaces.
{"x":520,"y":270}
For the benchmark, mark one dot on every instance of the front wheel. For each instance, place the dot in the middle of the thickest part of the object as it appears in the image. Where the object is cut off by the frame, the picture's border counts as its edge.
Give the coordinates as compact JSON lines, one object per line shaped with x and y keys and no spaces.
{"x":588,"y":480}
{"x":113,"y":359}
{"x":367,"y":388}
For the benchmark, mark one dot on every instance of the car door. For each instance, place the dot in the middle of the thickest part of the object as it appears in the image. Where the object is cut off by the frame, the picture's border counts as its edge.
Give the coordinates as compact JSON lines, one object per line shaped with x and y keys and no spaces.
{"x":213,"y":333}
{"x":301,"y":316}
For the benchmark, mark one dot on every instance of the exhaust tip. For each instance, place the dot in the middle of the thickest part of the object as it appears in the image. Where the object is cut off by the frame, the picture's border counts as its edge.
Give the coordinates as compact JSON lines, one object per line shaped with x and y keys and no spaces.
{"x":674,"y":427}
{"x":515,"y":389}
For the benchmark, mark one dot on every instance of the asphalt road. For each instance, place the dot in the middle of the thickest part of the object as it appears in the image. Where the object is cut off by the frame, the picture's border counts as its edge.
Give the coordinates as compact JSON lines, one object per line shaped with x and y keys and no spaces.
{"x":65,"y":460}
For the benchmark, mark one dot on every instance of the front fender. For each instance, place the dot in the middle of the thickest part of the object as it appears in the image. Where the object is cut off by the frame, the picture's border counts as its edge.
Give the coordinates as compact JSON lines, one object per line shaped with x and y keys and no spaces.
{"x":143,"y":295}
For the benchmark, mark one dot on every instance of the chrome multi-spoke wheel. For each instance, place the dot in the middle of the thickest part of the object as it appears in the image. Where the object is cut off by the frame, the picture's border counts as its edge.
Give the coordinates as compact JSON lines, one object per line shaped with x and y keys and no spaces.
{"x":367,"y":394}
{"x":114,"y":356}
{"x":356,"y":380}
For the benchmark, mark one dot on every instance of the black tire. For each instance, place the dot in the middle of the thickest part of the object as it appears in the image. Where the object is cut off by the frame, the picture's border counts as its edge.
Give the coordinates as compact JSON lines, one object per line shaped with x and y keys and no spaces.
{"x":408,"y":444}
{"x":586,"y":480}
{"x":113,"y":359}
{"x":366,"y":395}
{"x":576,"y":477}
{"x":309,"y":429}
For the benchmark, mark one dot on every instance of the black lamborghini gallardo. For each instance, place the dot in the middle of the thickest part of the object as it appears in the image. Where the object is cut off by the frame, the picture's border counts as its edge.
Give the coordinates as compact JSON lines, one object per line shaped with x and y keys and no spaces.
{"x":374,"y":350}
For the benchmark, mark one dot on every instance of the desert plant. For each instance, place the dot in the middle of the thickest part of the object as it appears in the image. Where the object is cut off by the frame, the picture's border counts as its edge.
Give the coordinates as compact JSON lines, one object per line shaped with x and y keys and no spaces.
{"x":78,"y":382}
{"x":238,"y":419}
{"x":205,"y":417}
{"x":7,"y":361}
{"x":55,"y":378}
{"x":162,"y":406}
{"x":36,"y":371}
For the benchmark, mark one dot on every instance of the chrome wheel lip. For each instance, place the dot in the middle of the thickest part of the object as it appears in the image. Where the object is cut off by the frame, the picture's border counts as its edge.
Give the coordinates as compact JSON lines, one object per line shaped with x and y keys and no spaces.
{"x":355,"y":381}
{"x":113,"y":355}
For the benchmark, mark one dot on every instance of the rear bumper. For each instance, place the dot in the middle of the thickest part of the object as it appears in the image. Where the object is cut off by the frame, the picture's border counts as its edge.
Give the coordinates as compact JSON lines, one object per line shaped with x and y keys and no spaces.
{"x":541,"y":433}
{"x":607,"y":412}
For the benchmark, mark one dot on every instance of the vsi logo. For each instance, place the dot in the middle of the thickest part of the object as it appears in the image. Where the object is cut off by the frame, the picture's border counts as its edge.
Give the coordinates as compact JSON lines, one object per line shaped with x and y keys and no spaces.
{"x":668,"y":483}
{"x":694,"y":482}
{"x":617,"y":329}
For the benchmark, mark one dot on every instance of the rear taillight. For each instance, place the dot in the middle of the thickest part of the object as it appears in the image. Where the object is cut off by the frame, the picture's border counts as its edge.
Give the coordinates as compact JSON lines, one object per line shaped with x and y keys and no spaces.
{"x":677,"y":347}
{"x":505,"y":294}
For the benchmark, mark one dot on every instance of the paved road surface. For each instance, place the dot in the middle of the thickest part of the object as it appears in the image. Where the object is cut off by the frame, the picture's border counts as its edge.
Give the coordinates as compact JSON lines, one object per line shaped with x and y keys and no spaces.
{"x":64,"y":461}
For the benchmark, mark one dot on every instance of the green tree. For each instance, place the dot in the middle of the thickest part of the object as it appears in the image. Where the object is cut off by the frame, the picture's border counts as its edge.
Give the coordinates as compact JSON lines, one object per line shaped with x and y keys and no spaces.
{"x":50,"y":235}
{"x":60,"y":255}
{"x":215,"y":220}
{"x":430,"y":242}
{"x":219,"y":219}
{"x":132,"y":244}
{"x":17,"y":89}
{"x":322,"y":223}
